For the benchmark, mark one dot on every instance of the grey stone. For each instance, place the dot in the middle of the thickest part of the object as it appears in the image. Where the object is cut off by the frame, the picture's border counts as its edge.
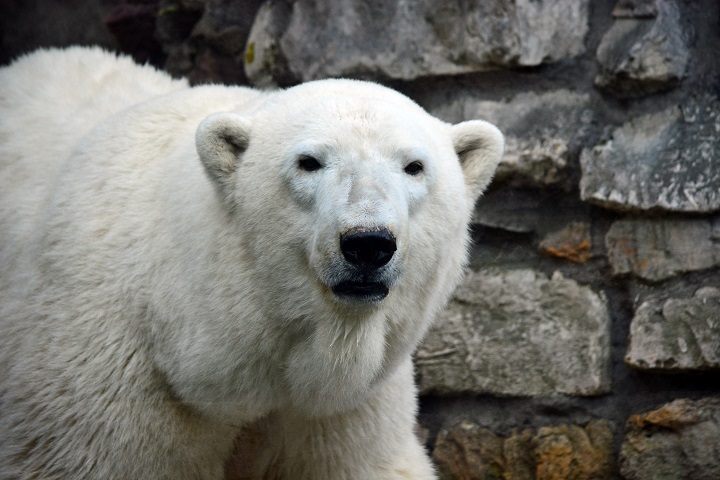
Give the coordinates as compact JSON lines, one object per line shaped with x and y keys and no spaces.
{"x":678,"y":441}
{"x":508,"y":209}
{"x":635,"y":9}
{"x":533,"y":161}
{"x":264,"y":65}
{"x":677,"y":334}
{"x":518,"y":332}
{"x":410,"y":39}
{"x":660,"y":161}
{"x":543,"y":131}
{"x":541,"y":211}
{"x":647,"y":54}
{"x":660,"y":249}
{"x":205,"y":39}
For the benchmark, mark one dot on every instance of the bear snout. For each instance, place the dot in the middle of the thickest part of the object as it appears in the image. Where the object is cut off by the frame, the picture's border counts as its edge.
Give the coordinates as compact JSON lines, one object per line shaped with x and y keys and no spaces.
{"x":368,"y":249}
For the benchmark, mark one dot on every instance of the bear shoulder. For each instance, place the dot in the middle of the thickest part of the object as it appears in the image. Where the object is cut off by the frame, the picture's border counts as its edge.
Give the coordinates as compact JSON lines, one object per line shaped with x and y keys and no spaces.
{"x":81,"y":77}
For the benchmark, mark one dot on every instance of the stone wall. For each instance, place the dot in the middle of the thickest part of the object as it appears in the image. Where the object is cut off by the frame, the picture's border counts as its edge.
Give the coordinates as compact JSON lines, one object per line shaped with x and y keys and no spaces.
{"x":585,"y":341}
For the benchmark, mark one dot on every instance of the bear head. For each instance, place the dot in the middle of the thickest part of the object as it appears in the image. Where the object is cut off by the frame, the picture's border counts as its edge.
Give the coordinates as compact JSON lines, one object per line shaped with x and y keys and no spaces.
{"x":354,"y":204}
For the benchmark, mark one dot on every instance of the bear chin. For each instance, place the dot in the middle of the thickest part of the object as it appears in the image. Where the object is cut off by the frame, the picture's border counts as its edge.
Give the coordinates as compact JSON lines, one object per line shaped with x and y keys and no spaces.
{"x":361,"y":291}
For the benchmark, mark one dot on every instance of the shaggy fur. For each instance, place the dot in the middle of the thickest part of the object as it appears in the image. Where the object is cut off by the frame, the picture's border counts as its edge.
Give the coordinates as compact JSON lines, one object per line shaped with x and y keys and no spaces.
{"x":167,"y":271}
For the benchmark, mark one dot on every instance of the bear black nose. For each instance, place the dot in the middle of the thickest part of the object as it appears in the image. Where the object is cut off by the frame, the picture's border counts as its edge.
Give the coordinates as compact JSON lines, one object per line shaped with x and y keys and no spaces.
{"x":368,"y":248}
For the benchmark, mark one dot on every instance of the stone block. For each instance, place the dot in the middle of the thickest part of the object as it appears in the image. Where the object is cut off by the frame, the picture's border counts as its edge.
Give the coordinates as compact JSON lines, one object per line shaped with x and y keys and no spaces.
{"x":411,"y":39}
{"x":469,"y":451}
{"x":520,"y":333}
{"x":205,"y":39}
{"x":660,"y":249}
{"x":264,"y":65}
{"x":571,"y":243}
{"x":678,"y":441}
{"x":532,"y":210}
{"x":509,"y":209}
{"x":635,"y":9}
{"x":677,"y":334}
{"x":660,"y":161}
{"x":562,"y":452}
{"x":646,"y":50}
{"x":543,"y":132}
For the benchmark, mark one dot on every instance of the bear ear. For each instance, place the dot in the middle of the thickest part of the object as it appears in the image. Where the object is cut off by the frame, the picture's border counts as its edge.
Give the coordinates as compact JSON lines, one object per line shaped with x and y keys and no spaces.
{"x":479,"y":145}
{"x":220,"y":141}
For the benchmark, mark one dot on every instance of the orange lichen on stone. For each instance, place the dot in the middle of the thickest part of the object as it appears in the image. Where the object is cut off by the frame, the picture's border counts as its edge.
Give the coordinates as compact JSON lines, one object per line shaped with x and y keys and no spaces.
{"x":571,"y":452}
{"x":571,"y":243}
{"x":673,"y":415}
{"x":561,"y":452}
{"x":554,"y":456}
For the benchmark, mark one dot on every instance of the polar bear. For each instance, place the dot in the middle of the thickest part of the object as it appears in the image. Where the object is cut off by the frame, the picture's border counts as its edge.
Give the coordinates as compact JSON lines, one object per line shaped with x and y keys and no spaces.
{"x":183,"y":267}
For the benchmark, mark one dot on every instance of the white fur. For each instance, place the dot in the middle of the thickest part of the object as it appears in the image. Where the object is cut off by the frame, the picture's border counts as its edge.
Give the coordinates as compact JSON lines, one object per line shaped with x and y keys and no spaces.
{"x":166,"y":271}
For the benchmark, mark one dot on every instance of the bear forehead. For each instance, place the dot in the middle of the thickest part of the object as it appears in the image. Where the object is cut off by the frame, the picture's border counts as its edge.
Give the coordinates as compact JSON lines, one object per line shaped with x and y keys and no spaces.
{"x":362,"y":115}
{"x":343,"y":119}
{"x":364,"y":131}
{"x":349,"y":114}
{"x":357,"y":89}
{"x":339,"y":98}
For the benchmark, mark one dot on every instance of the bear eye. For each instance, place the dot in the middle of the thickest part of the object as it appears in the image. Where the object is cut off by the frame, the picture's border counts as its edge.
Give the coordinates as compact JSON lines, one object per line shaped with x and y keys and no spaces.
{"x":308,"y":163}
{"x":414,"y":168}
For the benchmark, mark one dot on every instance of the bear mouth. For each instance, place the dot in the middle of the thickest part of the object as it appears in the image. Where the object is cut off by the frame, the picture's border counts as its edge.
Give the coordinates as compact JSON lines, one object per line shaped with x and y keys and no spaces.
{"x":361,"y":291}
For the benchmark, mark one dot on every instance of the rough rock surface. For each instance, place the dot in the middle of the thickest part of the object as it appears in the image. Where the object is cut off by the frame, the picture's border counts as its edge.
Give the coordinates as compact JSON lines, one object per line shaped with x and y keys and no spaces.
{"x":660,"y":161}
{"x":563,"y":452}
{"x":646,"y":50}
{"x":544,"y":131}
{"x":205,"y":39}
{"x":410,"y":39}
{"x":659,"y":249}
{"x":534,"y":210}
{"x":264,"y":65}
{"x":677,"y":334}
{"x":518,"y":332}
{"x":678,"y":441}
{"x":511,"y":210}
{"x":635,"y":9}
{"x":572,"y":243}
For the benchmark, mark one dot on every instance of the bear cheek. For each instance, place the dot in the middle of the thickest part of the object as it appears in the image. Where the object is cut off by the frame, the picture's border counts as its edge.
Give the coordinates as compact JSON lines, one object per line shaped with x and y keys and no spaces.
{"x":302,"y":190}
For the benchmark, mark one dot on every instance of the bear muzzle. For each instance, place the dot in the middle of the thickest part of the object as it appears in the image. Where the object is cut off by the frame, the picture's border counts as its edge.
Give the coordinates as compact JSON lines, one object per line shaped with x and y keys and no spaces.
{"x":367,"y":251}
